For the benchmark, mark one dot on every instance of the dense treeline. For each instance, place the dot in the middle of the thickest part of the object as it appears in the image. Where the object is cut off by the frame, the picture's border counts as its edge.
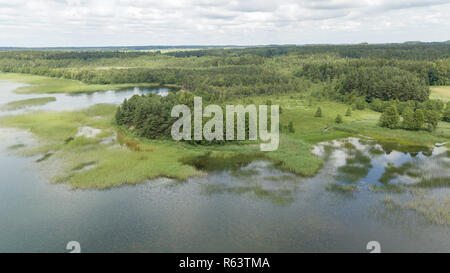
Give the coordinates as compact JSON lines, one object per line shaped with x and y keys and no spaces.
{"x":63,"y":55}
{"x":392,"y":79}
{"x":386,"y":72}
{"x":406,"y":51}
{"x":431,"y":62}
{"x":385,"y":83}
{"x":150,"y":116}
{"x":432,"y":73}
{"x":412,"y":115}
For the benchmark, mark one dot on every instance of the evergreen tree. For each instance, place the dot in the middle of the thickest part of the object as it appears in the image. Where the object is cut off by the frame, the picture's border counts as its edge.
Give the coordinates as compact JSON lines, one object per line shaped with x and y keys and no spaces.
{"x":408,"y":119}
{"x":419,"y":119}
{"x":339,"y":119}
{"x":377,"y":105}
{"x":446,"y":115}
{"x":432,"y":118}
{"x":360,"y":104}
{"x":291,"y":127}
{"x":349,"y":112}
{"x":318,"y":113}
{"x":390,"y":118}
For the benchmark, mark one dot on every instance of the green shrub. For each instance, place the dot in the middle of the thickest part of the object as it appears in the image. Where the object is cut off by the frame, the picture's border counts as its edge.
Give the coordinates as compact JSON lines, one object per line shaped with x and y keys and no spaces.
{"x":318,"y":113}
{"x":390,"y":118}
{"x":349,"y":112}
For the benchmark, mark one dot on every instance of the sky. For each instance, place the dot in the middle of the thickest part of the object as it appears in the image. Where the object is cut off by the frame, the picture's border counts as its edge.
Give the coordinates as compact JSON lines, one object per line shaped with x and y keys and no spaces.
{"x":36,"y":23}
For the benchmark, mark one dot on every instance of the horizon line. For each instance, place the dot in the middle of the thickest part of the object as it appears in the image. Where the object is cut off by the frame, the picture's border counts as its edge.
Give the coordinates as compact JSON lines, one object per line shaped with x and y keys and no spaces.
{"x":217,"y":45}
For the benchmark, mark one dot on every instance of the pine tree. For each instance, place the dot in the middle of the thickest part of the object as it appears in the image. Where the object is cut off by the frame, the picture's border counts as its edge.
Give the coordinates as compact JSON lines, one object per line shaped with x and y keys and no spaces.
{"x":446,"y":116}
{"x":419,"y":119}
{"x":291,"y":127}
{"x":432,"y":118}
{"x":360,"y":104}
{"x":318,"y":113}
{"x":408,"y":118}
{"x":339,"y":119}
{"x":349,"y":112}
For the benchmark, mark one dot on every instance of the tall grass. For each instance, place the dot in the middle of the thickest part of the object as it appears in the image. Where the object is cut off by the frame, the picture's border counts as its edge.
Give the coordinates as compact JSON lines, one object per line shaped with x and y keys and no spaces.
{"x":14,"y":105}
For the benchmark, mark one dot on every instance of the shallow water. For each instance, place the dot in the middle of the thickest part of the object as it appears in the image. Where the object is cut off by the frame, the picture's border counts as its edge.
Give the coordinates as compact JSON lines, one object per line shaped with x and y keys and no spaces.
{"x":70,"y":102}
{"x":255,"y":208}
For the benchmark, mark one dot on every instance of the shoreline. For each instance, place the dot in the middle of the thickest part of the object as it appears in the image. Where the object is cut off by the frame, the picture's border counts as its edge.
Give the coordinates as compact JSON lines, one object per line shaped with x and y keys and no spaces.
{"x":162,"y":158}
{"x":46,"y":85}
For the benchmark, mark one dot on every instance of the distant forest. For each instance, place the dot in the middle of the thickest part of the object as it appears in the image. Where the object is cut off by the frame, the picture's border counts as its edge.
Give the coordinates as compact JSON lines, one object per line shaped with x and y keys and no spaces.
{"x":386,"y":72}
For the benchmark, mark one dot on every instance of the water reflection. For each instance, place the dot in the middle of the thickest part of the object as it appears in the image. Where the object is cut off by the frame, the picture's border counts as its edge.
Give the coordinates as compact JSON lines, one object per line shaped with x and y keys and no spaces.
{"x":69,"y":102}
{"x":352,"y":167}
{"x":254,"y":207}
{"x":248,"y":207}
{"x":366,"y":162}
{"x":259,"y":179}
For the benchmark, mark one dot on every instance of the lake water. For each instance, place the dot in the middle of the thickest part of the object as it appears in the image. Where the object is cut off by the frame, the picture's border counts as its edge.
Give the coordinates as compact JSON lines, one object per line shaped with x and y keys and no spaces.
{"x":68,"y":102}
{"x":255,"y":208}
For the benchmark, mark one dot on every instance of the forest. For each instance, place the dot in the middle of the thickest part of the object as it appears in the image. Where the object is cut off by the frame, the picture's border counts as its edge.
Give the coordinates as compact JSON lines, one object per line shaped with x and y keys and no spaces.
{"x":393,"y":79}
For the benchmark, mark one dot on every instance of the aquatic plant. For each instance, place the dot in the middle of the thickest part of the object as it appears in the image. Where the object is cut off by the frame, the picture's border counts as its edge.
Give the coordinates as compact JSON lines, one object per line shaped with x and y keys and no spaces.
{"x":347,"y":190}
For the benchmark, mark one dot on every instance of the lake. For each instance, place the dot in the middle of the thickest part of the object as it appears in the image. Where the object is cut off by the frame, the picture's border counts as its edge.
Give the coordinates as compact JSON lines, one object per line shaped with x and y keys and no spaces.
{"x":252,"y":208}
{"x":70,"y":102}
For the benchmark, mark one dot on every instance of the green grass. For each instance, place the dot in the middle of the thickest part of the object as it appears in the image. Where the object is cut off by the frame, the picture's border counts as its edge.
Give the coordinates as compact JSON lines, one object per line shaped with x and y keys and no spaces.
{"x":387,"y":188}
{"x":294,"y":155}
{"x":312,"y":130}
{"x":47,"y":85}
{"x":342,"y":189}
{"x":435,"y":210}
{"x":376,"y":151}
{"x":434,"y":182}
{"x":16,"y":146}
{"x":352,"y":173}
{"x":115,"y":165}
{"x":440,"y":92}
{"x":142,"y":159}
{"x":83,"y":165}
{"x":19,"y":104}
{"x":392,"y":172}
{"x":221,"y":161}
{"x":130,"y":159}
{"x":391,"y":204}
{"x":356,"y":168}
{"x":44,"y":157}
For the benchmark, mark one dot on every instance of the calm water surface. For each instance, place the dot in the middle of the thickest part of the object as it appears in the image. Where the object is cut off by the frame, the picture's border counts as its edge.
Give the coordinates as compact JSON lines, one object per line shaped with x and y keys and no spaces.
{"x":70,"y":101}
{"x":255,"y":208}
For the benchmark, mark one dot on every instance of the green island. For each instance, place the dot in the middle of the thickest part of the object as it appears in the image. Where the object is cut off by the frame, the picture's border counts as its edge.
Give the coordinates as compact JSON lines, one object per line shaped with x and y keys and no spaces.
{"x":19,"y":104}
{"x":325,"y":93}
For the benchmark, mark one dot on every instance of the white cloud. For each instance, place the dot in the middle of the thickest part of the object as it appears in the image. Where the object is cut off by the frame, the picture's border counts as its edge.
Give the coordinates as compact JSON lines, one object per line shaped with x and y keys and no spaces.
{"x":147,"y":22}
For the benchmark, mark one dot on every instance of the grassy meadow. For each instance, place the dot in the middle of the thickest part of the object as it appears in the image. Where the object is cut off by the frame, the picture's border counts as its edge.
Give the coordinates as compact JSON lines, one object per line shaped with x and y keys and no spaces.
{"x":440,"y":92}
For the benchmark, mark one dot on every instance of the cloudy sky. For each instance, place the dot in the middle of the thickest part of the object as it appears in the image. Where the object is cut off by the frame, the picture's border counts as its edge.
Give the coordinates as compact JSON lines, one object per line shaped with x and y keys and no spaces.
{"x":220,"y":22}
